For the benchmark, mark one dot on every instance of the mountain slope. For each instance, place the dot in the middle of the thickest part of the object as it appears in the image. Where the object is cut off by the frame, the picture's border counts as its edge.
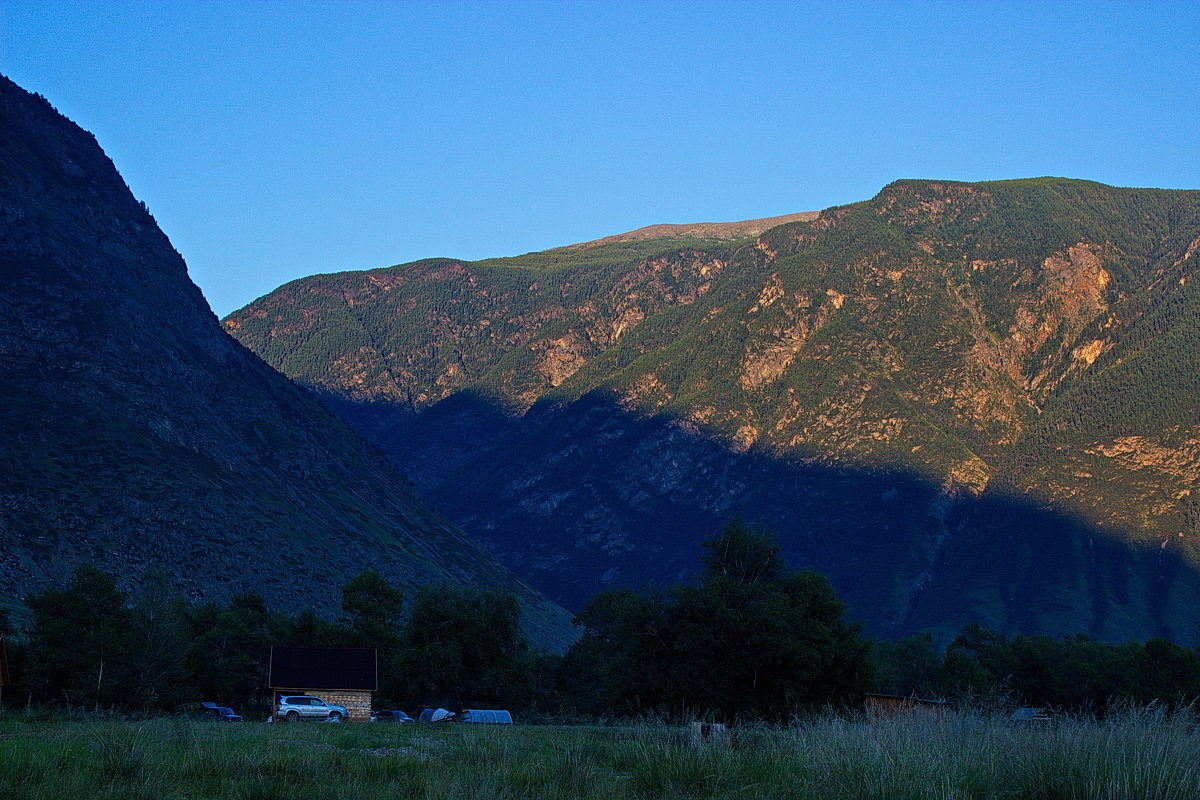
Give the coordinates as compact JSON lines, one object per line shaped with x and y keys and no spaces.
{"x":137,"y":435}
{"x":893,"y":385}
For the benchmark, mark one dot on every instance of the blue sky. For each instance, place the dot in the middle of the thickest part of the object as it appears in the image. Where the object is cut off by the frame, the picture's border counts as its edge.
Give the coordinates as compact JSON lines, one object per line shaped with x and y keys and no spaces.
{"x":278,"y":140}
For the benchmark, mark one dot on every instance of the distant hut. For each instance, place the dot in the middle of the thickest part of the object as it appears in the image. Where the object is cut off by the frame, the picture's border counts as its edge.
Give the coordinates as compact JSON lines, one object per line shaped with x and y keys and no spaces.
{"x":344,"y":676}
{"x":889,"y":705}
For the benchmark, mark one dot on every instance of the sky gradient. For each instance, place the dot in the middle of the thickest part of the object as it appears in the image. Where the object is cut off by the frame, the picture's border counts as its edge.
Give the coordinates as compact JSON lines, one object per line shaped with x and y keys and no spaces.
{"x":278,"y":140}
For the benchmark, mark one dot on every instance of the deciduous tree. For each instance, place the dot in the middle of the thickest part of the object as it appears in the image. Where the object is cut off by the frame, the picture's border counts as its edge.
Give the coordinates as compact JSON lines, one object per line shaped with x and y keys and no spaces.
{"x":465,"y":645}
{"x":751,"y":639}
{"x":79,"y":645}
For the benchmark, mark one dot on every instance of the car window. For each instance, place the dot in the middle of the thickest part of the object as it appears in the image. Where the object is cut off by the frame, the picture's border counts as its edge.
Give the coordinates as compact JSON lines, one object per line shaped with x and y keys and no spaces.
{"x":317,"y":701}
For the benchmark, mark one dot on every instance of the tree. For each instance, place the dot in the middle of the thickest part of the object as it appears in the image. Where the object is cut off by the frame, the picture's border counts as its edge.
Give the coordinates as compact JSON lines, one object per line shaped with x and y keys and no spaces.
{"x":751,"y":639}
{"x":231,"y":649}
{"x":79,"y":645}
{"x":464,"y":644}
{"x":15,"y":651}
{"x":309,"y":630}
{"x":373,"y":610}
{"x":909,"y":666}
{"x":979,"y":663}
{"x":158,"y":644}
{"x":743,"y":555}
{"x":765,"y":648}
{"x":612,"y":666}
{"x":1169,"y":672}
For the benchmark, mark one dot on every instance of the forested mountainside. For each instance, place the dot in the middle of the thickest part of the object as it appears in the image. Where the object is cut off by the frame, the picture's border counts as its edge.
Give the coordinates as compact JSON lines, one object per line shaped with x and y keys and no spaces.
{"x":137,"y":435}
{"x":963,"y":402}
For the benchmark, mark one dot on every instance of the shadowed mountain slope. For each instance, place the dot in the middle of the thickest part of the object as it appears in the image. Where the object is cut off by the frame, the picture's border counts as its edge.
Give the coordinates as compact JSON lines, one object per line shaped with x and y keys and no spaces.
{"x":136,"y":434}
{"x":1023,"y":353}
{"x":588,"y":495}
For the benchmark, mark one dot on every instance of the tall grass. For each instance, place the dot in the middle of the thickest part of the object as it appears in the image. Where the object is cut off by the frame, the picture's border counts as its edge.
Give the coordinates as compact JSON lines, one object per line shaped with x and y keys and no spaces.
{"x":1138,"y":753}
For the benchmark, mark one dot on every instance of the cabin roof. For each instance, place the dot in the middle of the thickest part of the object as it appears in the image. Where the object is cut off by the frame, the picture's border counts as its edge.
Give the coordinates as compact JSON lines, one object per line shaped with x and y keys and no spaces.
{"x":346,"y":668}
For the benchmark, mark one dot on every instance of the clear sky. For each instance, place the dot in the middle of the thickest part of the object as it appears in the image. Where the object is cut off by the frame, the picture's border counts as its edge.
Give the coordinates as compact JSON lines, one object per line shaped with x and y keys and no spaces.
{"x":278,"y":140}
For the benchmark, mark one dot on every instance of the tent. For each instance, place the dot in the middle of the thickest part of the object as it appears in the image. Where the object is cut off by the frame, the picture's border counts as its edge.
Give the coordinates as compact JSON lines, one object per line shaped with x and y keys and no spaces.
{"x":436,"y":715}
{"x":482,"y":716}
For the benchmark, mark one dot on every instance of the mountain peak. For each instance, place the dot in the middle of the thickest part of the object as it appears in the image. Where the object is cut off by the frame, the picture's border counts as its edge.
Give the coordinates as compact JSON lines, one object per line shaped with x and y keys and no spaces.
{"x":700,"y":230}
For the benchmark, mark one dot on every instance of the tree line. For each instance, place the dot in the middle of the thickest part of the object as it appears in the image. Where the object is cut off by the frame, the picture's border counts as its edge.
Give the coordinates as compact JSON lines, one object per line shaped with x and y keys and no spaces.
{"x":93,"y":646}
{"x":1072,"y":673}
{"x":749,"y":639}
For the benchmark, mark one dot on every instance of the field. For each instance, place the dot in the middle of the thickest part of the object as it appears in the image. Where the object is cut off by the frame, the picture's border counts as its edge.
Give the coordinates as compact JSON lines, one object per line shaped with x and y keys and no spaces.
{"x":1139,"y":754}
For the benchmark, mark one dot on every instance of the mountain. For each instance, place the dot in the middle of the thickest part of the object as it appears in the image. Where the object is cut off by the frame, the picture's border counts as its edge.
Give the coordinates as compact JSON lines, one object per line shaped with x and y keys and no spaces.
{"x":962,"y":402}
{"x":702,"y":230}
{"x":136,"y":434}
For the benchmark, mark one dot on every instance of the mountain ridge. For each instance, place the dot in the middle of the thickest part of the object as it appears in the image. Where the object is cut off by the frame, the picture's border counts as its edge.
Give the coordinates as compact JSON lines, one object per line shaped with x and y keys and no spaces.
{"x":700,"y":230}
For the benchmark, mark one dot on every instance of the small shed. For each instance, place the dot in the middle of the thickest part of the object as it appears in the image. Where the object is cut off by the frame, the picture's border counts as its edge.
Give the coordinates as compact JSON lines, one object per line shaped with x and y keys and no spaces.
{"x":889,"y":705}
{"x":344,"y":676}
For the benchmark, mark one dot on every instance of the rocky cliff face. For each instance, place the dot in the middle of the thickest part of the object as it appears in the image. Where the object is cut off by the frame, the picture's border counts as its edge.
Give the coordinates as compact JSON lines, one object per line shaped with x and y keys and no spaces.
{"x":138,"y":435}
{"x":964,"y":402}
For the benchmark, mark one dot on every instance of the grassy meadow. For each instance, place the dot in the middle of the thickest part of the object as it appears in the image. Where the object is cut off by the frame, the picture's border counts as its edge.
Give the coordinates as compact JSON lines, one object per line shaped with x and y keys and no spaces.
{"x":1138,"y":754}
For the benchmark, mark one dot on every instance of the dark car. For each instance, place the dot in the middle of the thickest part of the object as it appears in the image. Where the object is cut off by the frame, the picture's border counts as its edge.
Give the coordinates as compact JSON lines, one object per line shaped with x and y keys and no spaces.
{"x":220,"y":713}
{"x":390,"y":716}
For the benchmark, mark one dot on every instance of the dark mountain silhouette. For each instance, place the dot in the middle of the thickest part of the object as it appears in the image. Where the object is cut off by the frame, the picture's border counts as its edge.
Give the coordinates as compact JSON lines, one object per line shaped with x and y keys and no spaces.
{"x":138,"y":435}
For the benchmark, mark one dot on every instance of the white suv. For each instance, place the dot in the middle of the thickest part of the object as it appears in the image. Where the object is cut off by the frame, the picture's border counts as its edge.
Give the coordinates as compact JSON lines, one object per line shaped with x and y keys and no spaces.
{"x":295,"y":707}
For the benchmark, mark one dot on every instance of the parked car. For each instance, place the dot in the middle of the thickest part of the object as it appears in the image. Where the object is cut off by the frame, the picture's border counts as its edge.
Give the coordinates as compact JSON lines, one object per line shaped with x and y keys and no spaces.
{"x":221,"y":713}
{"x":390,"y":716}
{"x":295,"y":707}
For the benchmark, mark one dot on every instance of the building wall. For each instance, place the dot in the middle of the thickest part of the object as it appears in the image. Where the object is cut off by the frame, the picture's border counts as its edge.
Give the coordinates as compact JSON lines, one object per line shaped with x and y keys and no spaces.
{"x":890,"y":706}
{"x":357,"y":703}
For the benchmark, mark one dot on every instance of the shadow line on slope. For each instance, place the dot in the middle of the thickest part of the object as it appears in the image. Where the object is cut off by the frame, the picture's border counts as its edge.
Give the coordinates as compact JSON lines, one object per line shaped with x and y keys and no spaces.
{"x":587,"y":495}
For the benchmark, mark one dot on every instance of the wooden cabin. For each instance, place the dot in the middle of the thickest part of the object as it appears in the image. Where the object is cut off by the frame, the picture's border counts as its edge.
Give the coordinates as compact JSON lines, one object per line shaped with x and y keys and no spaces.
{"x":890,"y":705}
{"x":344,"y":676}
